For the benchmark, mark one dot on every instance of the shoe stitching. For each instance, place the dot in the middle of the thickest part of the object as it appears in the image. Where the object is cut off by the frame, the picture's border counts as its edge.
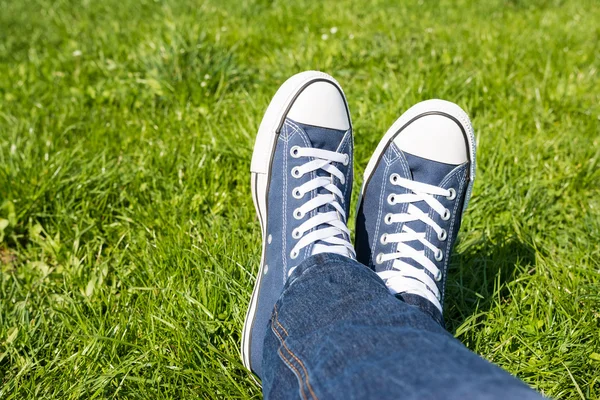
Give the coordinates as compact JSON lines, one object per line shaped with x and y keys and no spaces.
{"x":452,"y":174}
{"x":345,"y":142}
{"x":284,"y":211}
{"x":429,"y":230}
{"x":450,"y":233}
{"x":444,"y":182}
{"x":392,"y":159}
{"x":283,"y":134}
{"x":294,"y":129}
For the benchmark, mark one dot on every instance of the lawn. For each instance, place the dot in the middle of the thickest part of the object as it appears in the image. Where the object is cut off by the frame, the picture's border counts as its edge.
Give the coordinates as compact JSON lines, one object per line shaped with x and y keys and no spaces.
{"x":128,"y":239}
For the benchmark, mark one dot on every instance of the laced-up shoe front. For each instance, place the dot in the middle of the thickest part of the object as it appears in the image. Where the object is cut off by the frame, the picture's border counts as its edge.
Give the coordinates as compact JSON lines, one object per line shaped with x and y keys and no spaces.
{"x":301,"y":186}
{"x":416,"y":187}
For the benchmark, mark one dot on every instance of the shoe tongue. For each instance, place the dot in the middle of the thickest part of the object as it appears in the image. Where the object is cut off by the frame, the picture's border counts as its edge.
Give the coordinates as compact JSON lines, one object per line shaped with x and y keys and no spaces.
{"x":427,"y":171}
{"x":323,"y":138}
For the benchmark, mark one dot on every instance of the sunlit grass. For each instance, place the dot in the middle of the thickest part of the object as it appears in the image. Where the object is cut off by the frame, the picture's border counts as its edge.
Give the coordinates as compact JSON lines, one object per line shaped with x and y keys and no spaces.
{"x":128,"y":240}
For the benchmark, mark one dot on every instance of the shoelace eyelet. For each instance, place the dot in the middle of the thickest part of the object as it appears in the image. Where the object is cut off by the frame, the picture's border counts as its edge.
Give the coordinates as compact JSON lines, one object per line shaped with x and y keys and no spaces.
{"x":446,"y":215}
{"x":438,"y":276}
{"x":383,"y":239}
{"x":294,"y":254}
{"x":265,"y":269}
{"x":388,"y":219}
{"x":296,"y":234}
{"x":295,"y":151}
{"x":442,"y":235}
{"x":391,"y":199}
{"x":439,"y":255}
{"x":346,"y":160}
{"x":298,"y":214}
{"x":379,"y":258}
{"x":297,"y":193}
{"x":296,"y":172}
{"x":452,"y":194}
{"x":394,"y":178}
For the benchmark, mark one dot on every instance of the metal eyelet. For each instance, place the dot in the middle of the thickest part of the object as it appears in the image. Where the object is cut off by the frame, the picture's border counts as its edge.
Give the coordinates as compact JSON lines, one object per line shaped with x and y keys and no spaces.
{"x":296,"y":172}
{"x":388,"y":219}
{"x":296,"y":234}
{"x":346,"y":160}
{"x":298,"y":214}
{"x":265,"y":269}
{"x":383,"y":239}
{"x":452,"y":194}
{"x":343,"y":180}
{"x":297,"y":193}
{"x":294,"y":254}
{"x":295,"y":151}
{"x":391,"y":199}
{"x":269,"y":239}
{"x":379,"y":258}
{"x":438,"y":276}
{"x":442,"y":235}
{"x":439,"y":255}
{"x":446,"y":215}
{"x":394,"y":178}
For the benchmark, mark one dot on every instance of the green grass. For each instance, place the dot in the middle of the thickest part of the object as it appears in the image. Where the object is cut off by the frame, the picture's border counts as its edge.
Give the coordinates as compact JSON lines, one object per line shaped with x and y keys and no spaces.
{"x":128,"y":240}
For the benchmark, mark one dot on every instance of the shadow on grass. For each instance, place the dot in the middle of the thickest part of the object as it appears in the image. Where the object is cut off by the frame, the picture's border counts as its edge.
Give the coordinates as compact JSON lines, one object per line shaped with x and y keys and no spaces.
{"x":479,"y":275}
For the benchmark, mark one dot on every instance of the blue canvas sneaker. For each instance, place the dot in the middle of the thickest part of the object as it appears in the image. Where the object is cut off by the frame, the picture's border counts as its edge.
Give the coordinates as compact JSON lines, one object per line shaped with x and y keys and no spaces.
{"x":416,"y":187}
{"x":301,"y":186}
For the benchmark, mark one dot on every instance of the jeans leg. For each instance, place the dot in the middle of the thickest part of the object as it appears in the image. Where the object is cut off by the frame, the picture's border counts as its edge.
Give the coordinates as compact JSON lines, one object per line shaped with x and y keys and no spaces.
{"x":336,"y":332}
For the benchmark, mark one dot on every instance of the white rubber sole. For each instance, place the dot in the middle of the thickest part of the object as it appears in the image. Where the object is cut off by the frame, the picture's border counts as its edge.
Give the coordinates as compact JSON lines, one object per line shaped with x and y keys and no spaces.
{"x":260,"y":168}
{"x":435,"y":106}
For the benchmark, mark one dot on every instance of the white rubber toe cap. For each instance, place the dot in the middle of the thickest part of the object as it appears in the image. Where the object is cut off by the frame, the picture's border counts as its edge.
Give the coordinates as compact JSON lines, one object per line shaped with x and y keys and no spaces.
{"x":434,"y":137}
{"x":321,"y":104}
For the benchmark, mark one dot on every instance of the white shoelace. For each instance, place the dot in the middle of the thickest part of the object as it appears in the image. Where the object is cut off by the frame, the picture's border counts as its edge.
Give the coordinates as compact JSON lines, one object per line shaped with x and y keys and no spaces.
{"x":404,"y":277}
{"x":331,"y":225}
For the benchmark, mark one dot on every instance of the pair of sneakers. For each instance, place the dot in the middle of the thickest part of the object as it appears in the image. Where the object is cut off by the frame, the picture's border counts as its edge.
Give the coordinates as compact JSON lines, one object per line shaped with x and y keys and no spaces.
{"x":415,"y":189}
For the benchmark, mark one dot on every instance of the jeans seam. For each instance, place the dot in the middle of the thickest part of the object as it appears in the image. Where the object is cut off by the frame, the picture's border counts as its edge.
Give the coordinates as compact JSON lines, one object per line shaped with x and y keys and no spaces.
{"x":306,"y":379}
{"x":287,"y":361}
{"x":297,"y":373}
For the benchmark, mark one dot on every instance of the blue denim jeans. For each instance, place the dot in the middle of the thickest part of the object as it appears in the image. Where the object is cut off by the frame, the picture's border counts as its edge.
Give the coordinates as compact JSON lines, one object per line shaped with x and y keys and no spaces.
{"x":337,"y":333}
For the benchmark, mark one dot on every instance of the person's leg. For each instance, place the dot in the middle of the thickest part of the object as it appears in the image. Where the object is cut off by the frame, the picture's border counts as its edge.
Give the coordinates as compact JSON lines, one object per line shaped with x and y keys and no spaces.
{"x":337,"y":332}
